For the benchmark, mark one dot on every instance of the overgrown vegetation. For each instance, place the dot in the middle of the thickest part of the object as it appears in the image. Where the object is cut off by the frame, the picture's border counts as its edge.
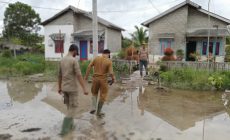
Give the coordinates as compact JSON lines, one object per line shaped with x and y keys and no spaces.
{"x":196,"y":80}
{"x":28,"y":64}
{"x":120,"y":70}
{"x":227,"y":54}
{"x":23,"y":65}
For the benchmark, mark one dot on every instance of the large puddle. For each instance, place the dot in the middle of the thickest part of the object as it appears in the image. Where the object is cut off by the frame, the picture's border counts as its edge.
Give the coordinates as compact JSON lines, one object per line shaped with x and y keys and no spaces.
{"x":35,"y":111}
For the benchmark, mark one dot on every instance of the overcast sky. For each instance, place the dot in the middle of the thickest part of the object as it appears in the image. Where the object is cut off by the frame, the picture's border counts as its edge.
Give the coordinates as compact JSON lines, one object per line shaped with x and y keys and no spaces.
{"x":124,"y":13}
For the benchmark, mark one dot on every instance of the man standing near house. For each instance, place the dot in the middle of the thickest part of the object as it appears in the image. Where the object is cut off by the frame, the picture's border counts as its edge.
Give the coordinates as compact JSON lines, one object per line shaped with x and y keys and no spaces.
{"x":102,"y":69}
{"x":143,"y":59}
{"x":69,"y":74}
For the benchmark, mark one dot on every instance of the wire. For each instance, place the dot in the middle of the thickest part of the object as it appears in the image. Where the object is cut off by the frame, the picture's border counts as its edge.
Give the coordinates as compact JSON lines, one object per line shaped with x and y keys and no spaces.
{"x":168,"y":22}
{"x":121,"y":11}
{"x":33,"y":6}
{"x":154,"y":7}
{"x":4,"y":4}
{"x":78,"y":3}
{"x":136,"y":10}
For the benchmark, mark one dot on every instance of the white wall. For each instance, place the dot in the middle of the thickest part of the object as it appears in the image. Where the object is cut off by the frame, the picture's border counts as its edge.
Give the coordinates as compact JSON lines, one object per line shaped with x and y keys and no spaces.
{"x":49,"y":43}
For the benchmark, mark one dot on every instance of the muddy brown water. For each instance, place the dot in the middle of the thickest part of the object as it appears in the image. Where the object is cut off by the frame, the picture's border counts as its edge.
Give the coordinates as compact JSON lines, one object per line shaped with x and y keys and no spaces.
{"x":35,"y":111}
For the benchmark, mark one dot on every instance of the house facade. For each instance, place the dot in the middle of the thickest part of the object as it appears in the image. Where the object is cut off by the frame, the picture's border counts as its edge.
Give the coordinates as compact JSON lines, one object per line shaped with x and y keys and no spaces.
{"x":73,"y":25}
{"x":185,"y":27}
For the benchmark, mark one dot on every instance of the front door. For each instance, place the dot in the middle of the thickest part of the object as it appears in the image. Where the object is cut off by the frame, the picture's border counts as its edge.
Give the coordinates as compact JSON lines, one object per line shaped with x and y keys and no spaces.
{"x":191,"y":49}
{"x":83,"y":50}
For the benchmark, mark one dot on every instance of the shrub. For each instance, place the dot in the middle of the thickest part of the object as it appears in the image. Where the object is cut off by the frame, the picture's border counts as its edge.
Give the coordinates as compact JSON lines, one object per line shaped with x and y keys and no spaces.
{"x":84,"y":65}
{"x":186,"y":79}
{"x":168,"y":55}
{"x":227,"y":55}
{"x":180,"y":54}
{"x":216,"y":80}
{"x":120,"y":69}
{"x":6,"y":54}
{"x":121,"y":54}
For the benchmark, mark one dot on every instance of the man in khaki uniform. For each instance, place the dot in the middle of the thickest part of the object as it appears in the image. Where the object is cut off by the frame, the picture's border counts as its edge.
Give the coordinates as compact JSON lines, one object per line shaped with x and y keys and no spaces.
{"x":69,"y":74}
{"x":102,"y":69}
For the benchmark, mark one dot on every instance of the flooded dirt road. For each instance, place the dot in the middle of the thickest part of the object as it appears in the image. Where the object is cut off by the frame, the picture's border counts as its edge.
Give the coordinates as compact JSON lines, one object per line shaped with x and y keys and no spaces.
{"x":35,"y":111}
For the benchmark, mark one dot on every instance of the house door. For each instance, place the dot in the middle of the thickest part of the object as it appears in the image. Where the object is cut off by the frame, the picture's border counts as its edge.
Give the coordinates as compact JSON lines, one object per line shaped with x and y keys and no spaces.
{"x":191,"y":48}
{"x":83,"y":50}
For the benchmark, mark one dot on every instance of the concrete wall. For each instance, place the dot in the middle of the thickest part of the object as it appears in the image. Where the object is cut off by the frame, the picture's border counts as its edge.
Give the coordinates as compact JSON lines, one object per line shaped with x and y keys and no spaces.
{"x":84,"y":23}
{"x":175,"y":22}
{"x":49,"y":43}
{"x":197,"y":20}
{"x":113,"y":40}
{"x":65,"y":19}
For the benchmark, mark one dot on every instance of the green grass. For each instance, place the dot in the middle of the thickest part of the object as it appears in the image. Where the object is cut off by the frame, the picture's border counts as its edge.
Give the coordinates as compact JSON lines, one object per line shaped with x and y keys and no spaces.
{"x":28,"y":64}
{"x":192,"y":79}
{"x":23,"y":65}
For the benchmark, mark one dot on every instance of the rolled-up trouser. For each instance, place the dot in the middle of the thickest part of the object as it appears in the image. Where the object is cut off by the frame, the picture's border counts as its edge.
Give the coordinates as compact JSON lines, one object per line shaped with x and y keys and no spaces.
{"x":100,"y":84}
{"x":71,"y":101}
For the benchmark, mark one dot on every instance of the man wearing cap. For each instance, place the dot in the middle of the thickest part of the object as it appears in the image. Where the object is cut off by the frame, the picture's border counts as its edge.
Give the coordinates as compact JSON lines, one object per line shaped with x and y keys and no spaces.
{"x":102,"y":69}
{"x":143,"y":58}
{"x":68,"y":76}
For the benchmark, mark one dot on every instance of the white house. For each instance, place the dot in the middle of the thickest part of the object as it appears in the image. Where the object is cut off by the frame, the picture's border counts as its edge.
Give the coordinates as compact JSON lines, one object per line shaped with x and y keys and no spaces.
{"x":73,"y":25}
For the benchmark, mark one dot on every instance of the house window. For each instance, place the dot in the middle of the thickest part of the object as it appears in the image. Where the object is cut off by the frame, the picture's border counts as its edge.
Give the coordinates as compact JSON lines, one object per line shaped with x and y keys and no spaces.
{"x":59,"y":46}
{"x":100,"y":46}
{"x":166,"y":43}
{"x":212,"y":48}
{"x":58,"y":39}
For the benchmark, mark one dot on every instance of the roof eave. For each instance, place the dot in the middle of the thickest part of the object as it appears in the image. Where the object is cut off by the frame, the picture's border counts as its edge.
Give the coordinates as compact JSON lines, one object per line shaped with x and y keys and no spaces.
{"x":56,"y":15}
{"x":215,"y":16}
{"x":187,"y":2}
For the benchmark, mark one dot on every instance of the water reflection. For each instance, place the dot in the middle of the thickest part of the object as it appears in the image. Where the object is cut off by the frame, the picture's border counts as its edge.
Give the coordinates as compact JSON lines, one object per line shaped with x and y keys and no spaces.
{"x":182,"y":109}
{"x":133,"y":113}
{"x":23,"y":92}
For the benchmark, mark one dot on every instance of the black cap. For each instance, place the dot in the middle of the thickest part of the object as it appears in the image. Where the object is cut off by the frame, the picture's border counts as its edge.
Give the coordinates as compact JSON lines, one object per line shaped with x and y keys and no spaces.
{"x":106,"y":51}
{"x":73,"y":47}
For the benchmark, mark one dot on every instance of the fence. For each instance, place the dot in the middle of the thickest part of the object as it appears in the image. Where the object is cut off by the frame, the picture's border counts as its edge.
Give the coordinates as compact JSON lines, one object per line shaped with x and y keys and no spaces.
{"x":124,"y":62}
{"x":218,"y":66}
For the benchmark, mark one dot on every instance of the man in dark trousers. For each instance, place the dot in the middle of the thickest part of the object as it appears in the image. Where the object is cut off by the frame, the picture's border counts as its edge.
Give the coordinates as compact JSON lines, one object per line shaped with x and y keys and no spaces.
{"x":68,"y":76}
{"x":102,"y":69}
{"x":143,"y":58}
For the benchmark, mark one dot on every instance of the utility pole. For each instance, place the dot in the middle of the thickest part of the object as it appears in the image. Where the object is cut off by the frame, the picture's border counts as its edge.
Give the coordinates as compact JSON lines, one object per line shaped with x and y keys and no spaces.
{"x":95,"y":29}
{"x":214,"y":55}
{"x":208,"y":34}
{"x":203,"y":134}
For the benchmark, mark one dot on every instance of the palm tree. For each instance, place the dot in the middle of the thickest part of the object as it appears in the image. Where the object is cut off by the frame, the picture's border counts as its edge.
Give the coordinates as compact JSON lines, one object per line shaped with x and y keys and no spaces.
{"x":139,"y":36}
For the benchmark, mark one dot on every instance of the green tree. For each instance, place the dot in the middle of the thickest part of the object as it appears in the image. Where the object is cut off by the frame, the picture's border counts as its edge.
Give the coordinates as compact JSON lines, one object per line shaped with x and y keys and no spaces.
{"x":22,"y":22}
{"x":228,"y":40}
{"x":139,"y":36}
{"x":126,"y":42}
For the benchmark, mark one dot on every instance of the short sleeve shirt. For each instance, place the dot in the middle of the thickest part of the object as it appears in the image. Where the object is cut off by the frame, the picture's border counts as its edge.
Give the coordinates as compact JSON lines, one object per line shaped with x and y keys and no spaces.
{"x":69,"y":68}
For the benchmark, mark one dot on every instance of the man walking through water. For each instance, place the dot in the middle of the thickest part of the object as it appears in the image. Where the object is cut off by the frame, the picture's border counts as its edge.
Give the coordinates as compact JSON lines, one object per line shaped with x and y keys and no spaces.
{"x":69,"y":74}
{"x":102,"y":69}
{"x":143,"y":56}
